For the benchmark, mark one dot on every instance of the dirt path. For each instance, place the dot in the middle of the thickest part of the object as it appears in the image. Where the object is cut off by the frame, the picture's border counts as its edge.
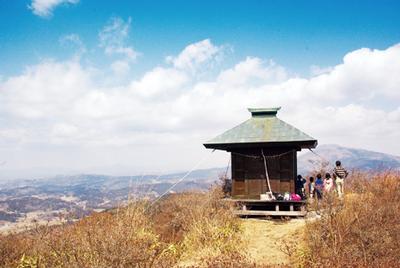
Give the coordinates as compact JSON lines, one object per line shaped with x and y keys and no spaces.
{"x":265,"y":238}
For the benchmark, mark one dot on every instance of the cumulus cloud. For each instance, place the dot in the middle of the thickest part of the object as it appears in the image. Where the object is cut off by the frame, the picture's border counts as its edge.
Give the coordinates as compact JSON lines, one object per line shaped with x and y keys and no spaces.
{"x":44,"y":8}
{"x":159,"y":82}
{"x":45,"y":90}
{"x":168,"y":113}
{"x":195,"y":55}
{"x":253,"y":70}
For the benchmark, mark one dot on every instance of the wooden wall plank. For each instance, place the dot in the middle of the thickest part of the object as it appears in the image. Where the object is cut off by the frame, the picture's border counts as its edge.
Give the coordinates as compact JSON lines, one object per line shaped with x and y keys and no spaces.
{"x":248,"y":174}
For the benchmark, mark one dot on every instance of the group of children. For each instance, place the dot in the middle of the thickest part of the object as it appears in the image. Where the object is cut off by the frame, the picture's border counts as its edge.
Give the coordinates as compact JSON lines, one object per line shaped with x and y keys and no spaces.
{"x":319,"y":186}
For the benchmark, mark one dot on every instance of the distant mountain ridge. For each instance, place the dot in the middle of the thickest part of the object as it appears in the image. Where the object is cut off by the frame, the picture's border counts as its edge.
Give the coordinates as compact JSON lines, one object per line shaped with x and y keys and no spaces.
{"x":84,"y":193}
{"x":351,"y":158}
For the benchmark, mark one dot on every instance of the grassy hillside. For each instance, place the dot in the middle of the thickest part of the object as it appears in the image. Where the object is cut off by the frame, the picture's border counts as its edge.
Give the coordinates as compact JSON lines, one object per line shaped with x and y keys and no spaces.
{"x":184,"y":229}
{"x":198,"y":230}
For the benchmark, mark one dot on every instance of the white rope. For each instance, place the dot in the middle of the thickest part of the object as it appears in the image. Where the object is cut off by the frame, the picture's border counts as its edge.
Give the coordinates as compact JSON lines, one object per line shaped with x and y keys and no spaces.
{"x":247,"y":155}
{"x":266,"y":156}
{"x":181,"y":179}
{"x":266,"y":171}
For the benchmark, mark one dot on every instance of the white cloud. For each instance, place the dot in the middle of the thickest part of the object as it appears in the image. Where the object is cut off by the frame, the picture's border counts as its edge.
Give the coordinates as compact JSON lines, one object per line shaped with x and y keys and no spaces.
{"x":113,"y":38}
{"x":62,"y":132}
{"x":159,"y":82}
{"x":253,"y":70}
{"x":45,"y":90}
{"x":44,"y":8}
{"x":163,"y":117}
{"x":195,"y":55}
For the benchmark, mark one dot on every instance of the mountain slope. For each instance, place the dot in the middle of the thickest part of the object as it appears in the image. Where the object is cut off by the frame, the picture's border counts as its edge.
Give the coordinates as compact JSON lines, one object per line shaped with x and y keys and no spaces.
{"x":351,"y":158}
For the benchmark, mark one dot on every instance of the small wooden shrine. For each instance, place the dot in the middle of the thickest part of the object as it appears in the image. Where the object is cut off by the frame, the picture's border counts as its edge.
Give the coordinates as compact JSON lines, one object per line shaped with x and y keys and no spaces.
{"x":263,"y":156}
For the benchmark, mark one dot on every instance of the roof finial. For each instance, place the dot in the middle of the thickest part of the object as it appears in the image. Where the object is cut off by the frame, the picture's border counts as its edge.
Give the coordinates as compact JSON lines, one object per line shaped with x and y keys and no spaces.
{"x":264,"y":111}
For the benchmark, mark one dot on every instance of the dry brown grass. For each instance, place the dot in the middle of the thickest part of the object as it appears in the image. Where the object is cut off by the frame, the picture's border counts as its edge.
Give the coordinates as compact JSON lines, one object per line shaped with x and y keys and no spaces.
{"x":363,"y":230}
{"x":101,"y":240}
{"x":199,"y":230}
{"x":203,"y":230}
{"x":190,"y":229}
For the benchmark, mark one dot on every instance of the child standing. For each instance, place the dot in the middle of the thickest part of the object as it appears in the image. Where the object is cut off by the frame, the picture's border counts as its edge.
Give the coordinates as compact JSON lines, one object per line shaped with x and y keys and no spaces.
{"x":319,"y":186}
{"x":311,"y":187}
{"x":300,"y":183}
{"x":328,"y":184}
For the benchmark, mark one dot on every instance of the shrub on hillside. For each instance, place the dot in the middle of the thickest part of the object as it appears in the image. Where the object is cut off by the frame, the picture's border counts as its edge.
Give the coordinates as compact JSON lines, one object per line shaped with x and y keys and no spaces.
{"x":363,"y":230}
{"x":201,"y":225}
{"x":179,"y":230}
{"x":101,"y":240}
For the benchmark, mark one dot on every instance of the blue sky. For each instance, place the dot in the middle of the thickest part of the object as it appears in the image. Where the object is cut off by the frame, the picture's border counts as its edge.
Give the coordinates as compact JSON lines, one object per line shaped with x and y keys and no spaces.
{"x":296,"y":34}
{"x":105,"y":86}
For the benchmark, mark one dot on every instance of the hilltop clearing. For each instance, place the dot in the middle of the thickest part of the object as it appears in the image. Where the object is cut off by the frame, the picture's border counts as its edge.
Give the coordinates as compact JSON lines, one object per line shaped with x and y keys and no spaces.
{"x":267,"y":239}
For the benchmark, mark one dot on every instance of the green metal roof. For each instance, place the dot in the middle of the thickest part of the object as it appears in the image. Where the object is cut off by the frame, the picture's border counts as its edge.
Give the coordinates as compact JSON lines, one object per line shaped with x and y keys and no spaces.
{"x":262,"y":128}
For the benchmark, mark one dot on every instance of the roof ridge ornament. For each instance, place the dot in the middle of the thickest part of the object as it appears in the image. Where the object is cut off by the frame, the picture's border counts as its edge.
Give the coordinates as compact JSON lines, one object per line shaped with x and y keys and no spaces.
{"x":264,"y":111}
